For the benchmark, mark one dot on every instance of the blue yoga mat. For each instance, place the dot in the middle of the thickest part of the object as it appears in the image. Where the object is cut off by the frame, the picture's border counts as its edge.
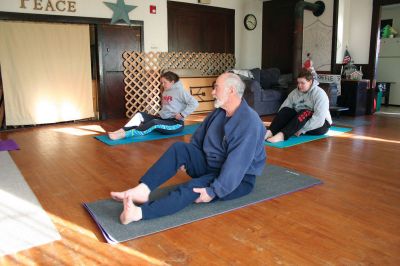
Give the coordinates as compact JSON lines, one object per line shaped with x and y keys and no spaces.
{"x":292,"y":141}
{"x":188,"y":129}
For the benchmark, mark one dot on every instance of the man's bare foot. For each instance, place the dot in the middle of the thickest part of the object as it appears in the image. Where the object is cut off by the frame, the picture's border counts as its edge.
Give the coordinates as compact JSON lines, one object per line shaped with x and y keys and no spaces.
{"x":139,"y":194}
{"x":119,"y":134}
{"x":276,"y":138}
{"x":268,"y":134}
{"x":131,"y":213}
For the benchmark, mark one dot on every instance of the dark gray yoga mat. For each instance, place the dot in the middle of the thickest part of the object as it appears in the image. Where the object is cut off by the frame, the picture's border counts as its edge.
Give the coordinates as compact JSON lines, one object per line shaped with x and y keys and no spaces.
{"x":274,"y":181}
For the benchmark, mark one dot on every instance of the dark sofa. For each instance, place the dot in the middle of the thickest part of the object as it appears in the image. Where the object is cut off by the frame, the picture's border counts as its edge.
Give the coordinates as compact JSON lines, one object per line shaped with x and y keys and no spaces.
{"x":265,"y":92}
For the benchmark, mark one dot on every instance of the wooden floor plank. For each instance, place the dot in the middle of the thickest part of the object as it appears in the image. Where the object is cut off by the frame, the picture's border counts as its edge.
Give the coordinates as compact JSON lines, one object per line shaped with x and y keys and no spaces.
{"x":353,"y":218}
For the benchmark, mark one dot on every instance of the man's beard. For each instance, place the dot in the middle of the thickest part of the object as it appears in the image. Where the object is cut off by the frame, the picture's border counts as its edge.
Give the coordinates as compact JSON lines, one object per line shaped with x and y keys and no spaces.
{"x":218,"y":103}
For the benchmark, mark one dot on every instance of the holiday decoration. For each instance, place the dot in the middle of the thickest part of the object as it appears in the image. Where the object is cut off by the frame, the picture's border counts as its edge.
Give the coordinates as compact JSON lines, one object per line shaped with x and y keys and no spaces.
{"x":388,"y":32}
{"x":308,"y":64}
{"x":347,"y":57}
{"x":121,"y":11}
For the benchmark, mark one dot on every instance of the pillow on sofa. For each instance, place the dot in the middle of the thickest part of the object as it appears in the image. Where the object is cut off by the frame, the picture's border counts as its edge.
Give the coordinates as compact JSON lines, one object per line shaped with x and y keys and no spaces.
{"x":269,"y":77}
{"x":256,"y":73}
{"x":244,"y":78}
{"x":243,"y":73}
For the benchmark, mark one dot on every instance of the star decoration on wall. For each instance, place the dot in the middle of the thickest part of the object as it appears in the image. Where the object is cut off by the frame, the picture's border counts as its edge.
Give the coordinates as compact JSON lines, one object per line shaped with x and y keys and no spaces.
{"x":121,"y":11}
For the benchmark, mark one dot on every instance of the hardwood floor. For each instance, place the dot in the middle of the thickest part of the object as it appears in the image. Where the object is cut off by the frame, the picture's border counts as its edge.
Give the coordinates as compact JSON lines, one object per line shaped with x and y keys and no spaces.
{"x":352,"y":219}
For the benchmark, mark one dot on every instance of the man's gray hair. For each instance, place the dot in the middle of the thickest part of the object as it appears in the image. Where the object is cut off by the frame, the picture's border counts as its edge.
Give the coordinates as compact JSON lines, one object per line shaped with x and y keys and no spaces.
{"x":233,"y":80}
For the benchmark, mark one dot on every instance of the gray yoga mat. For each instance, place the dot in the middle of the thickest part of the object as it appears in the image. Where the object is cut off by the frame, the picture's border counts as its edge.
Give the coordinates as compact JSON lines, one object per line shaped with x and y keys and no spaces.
{"x":274,"y":181}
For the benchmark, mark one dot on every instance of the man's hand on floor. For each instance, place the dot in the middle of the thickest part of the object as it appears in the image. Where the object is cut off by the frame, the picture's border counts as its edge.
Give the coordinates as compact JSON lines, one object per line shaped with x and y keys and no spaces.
{"x":204,"y":197}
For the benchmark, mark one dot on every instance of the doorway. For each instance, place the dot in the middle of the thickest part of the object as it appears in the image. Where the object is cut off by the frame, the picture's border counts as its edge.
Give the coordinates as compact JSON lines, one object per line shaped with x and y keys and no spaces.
{"x":388,"y":62}
{"x":101,"y":74}
{"x":113,"y":41}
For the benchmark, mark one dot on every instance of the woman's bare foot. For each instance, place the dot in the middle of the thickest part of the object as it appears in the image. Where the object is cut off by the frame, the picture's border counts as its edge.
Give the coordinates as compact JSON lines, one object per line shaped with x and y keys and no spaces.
{"x":131,"y":213}
{"x":119,"y":134}
{"x":139,"y":194}
{"x":268,"y":134}
{"x":267,"y":124}
{"x":276,"y":138}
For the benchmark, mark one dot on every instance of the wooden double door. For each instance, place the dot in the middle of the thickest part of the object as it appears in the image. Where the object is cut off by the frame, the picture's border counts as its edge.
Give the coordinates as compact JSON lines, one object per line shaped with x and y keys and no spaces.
{"x":112,"y":42}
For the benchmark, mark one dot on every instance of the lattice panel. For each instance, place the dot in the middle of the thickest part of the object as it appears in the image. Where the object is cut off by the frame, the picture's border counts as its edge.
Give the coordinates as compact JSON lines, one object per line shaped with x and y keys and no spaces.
{"x":142,"y":83}
{"x":210,"y":64}
{"x":142,"y":74}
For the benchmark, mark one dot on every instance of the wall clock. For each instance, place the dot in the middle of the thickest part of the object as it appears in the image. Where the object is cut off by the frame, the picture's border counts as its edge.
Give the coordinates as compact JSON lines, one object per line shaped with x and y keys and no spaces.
{"x":250,"y":22}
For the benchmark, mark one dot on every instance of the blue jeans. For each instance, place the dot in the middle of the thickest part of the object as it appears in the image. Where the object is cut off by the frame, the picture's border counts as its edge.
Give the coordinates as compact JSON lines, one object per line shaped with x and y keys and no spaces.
{"x":194,"y":160}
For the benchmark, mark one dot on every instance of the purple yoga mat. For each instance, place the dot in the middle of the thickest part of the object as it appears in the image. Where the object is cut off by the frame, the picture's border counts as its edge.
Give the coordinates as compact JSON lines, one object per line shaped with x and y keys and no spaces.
{"x":8,"y":145}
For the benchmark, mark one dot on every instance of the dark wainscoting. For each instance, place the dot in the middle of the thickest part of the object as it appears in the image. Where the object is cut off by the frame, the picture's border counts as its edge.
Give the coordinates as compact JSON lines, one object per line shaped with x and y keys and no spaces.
{"x":277,"y":35}
{"x":199,"y":28}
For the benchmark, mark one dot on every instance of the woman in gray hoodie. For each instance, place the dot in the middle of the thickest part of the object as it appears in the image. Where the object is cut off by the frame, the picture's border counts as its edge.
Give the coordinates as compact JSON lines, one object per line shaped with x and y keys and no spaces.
{"x":305,"y":111}
{"x":177,"y":103}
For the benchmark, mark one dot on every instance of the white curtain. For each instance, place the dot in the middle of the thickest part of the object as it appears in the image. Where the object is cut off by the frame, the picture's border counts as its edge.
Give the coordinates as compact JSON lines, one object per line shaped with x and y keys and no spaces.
{"x":46,"y":72}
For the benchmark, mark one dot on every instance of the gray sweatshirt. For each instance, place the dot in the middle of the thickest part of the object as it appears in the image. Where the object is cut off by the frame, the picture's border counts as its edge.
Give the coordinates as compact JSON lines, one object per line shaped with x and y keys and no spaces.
{"x":177,"y":100}
{"x":316,"y":100}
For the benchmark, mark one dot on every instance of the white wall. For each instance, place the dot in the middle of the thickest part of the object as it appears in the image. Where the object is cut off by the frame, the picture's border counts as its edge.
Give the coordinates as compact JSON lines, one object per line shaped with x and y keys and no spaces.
{"x":317,"y":37}
{"x":247,"y":43}
{"x":355,"y":30}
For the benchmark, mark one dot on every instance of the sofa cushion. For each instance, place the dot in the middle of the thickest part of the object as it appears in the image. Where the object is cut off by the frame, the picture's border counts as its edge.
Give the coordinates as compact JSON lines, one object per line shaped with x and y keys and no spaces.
{"x":269,"y":77}
{"x":285,"y":80}
{"x":271,"y":95}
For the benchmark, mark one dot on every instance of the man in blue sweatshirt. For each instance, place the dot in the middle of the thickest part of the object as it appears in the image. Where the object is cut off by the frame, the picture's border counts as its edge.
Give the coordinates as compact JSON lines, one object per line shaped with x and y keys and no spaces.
{"x":223,"y":158}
